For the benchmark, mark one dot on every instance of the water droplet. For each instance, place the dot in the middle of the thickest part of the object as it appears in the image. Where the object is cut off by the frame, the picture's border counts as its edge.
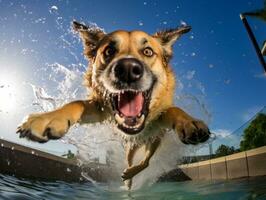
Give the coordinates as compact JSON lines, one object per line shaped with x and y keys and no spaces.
{"x":211,"y":65}
{"x":53,"y":9}
{"x":183,"y":23}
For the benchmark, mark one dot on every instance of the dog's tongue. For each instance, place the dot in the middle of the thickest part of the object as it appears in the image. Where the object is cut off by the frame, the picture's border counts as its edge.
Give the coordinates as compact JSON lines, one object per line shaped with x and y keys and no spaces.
{"x":130,"y":104}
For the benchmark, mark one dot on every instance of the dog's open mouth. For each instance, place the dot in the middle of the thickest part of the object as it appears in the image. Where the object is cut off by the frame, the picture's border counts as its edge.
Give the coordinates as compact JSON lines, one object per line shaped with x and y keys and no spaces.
{"x":130,"y":110}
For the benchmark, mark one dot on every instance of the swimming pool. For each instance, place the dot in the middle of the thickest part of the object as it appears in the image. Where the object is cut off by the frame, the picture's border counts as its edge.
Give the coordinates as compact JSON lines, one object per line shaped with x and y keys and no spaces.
{"x":13,"y":188}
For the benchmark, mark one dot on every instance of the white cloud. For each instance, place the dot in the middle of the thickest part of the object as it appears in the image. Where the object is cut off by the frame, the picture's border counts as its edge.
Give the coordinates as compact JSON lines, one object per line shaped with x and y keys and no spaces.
{"x":221,"y":133}
{"x":226,"y":137}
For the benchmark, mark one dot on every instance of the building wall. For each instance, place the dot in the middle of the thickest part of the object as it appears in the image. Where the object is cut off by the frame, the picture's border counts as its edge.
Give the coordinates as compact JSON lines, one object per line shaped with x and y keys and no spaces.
{"x":244,"y":164}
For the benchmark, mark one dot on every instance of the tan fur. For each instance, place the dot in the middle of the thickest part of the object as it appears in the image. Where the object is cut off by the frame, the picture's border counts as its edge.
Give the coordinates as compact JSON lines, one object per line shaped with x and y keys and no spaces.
{"x":52,"y":125}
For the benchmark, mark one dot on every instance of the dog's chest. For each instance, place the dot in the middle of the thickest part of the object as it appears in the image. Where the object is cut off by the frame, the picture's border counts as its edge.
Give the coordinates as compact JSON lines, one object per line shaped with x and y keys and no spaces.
{"x":153,"y":131}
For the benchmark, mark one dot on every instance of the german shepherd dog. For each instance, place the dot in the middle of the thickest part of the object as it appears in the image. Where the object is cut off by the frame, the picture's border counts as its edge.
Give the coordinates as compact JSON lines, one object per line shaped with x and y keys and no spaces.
{"x":132,"y":87}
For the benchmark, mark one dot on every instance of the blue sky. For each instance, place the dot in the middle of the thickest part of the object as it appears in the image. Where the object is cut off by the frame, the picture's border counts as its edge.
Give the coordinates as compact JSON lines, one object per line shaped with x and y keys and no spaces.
{"x":216,"y":62}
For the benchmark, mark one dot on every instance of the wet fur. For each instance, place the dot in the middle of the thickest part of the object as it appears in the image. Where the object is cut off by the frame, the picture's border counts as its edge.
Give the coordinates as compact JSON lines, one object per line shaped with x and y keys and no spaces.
{"x":162,"y":114}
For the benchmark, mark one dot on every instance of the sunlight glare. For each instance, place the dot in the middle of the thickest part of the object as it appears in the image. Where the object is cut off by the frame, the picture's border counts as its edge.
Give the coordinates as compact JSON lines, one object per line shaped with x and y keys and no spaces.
{"x":9,"y":91}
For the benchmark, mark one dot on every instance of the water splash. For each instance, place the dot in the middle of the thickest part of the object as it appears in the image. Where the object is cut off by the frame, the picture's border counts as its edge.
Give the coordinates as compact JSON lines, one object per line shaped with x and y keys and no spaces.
{"x":195,"y":105}
{"x":43,"y":100}
{"x":97,"y":143}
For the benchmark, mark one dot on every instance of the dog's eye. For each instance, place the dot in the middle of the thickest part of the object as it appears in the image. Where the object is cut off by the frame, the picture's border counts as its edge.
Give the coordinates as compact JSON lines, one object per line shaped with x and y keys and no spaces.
{"x":148,"y":52}
{"x":109,"y":51}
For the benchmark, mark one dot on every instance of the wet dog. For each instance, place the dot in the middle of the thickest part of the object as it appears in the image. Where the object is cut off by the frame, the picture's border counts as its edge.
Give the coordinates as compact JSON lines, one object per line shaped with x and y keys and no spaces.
{"x":132,"y":86}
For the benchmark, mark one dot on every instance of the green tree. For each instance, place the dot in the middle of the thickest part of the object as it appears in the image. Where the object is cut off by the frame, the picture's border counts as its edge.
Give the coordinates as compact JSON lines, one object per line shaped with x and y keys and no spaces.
{"x":255,"y":134}
{"x":69,"y":155}
{"x":224,"y":150}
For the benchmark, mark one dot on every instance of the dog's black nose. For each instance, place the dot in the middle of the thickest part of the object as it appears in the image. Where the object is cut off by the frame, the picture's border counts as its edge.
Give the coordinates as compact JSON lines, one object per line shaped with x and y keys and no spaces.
{"x":128,"y":70}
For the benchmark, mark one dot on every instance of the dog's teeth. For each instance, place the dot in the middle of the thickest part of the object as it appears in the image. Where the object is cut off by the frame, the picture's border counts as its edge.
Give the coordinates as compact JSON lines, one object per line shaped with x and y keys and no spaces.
{"x":142,"y":119}
{"x":119,"y":119}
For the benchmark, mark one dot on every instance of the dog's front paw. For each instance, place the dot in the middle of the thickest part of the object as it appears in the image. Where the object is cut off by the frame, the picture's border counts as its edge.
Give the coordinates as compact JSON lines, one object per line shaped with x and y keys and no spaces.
{"x":193,"y":132}
{"x":42,"y":127}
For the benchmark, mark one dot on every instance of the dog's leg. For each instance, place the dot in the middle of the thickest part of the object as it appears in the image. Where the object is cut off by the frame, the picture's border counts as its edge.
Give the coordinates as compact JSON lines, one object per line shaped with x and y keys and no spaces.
{"x":53,"y":125}
{"x":130,"y":152}
{"x":189,"y":129}
{"x":150,"y":149}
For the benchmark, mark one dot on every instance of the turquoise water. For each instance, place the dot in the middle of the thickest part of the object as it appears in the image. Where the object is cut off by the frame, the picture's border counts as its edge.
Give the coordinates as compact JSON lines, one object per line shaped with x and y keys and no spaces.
{"x":13,"y":188}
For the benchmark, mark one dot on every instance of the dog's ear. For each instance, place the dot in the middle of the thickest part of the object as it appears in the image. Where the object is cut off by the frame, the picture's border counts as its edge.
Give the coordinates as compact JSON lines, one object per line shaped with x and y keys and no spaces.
{"x":168,"y":37}
{"x":90,"y":36}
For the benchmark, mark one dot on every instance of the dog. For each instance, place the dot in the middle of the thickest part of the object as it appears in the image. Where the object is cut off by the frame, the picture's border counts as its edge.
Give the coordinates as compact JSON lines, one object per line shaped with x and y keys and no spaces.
{"x":132,"y":87}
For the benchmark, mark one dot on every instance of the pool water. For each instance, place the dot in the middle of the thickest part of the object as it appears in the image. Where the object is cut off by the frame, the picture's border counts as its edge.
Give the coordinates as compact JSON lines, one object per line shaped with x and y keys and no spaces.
{"x":14,"y":188}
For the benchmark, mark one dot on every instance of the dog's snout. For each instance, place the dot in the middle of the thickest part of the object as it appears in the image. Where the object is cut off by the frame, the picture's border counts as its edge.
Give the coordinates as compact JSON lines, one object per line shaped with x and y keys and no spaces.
{"x":128,"y":70}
